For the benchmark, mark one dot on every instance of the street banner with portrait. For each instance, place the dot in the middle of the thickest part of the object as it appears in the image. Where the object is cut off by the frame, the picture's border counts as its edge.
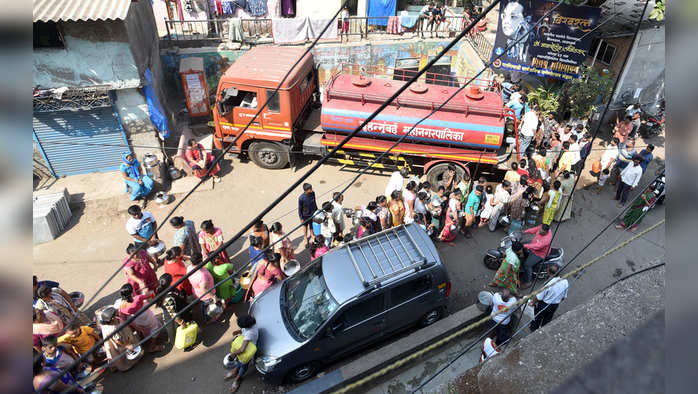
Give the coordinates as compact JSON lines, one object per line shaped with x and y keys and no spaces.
{"x":555,"y":48}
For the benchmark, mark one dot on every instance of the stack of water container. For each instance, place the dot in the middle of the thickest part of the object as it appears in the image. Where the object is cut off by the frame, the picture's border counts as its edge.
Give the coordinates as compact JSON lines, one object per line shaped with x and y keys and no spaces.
{"x":52,"y":215}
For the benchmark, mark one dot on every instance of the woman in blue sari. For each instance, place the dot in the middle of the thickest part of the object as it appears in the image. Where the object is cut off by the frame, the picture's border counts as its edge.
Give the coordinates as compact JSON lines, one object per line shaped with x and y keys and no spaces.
{"x":133,"y":175}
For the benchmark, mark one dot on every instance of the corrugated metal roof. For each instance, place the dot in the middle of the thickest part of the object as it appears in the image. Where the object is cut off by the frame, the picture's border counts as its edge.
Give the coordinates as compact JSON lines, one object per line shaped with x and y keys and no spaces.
{"x":80,"y":10}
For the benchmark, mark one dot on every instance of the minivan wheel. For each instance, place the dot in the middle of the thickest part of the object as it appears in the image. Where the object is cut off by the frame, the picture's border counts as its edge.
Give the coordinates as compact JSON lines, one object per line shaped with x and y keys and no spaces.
{"x":303,"y":372}
{"x":431,"y":317}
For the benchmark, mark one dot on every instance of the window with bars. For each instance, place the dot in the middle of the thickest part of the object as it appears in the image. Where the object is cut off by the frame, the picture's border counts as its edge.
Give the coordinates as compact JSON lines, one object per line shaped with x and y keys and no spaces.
{"x":606,"y":52}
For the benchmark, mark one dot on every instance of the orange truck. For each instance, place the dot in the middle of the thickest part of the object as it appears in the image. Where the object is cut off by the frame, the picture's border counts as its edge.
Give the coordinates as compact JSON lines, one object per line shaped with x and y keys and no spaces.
{"x":473,"y":131}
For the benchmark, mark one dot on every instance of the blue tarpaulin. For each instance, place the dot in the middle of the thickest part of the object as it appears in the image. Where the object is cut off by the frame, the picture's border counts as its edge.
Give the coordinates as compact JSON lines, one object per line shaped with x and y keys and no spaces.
{"x":381,"y":8}
{"x":408,"y":21}
{"x":157,"y":113}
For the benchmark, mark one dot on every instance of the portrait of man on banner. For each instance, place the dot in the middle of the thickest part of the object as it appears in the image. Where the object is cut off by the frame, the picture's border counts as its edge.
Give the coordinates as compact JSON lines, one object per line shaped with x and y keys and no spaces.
{"x":515,"y":22}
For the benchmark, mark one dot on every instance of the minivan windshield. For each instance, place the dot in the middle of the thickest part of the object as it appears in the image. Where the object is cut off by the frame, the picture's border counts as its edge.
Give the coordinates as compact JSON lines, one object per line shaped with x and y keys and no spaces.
{"x":308,"y":303}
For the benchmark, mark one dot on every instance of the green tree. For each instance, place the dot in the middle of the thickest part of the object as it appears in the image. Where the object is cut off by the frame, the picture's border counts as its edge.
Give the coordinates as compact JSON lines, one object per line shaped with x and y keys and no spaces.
{"x":587,"y":90}
{"x":547,"y":98}
{"x":657,"y":13}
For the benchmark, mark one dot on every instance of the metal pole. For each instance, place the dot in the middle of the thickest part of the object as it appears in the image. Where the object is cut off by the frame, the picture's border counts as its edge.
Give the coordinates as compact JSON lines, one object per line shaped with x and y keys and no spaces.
{"x":596,"y":53}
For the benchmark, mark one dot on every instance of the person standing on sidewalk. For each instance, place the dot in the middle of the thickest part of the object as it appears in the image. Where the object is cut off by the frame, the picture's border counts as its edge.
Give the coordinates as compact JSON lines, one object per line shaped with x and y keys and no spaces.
{"x":500,"y":321}
{"x":306,"y":209}
{"x":629,"y":178}
{"x":546,"y":302}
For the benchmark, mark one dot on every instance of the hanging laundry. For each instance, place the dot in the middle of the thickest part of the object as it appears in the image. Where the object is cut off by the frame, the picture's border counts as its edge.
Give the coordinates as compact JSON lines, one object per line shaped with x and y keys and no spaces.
{"x":235,"y":30}
{"x":217,"y":6}
{"x":315,"y":27}
{"x":289,"y":30}
{"x":227,"y":7}
{"x":288,"y":8}
{"x":256,"y":7}
{"x":380,"y":8}
{"x":394,"y":26}
{"x":274,"y":8}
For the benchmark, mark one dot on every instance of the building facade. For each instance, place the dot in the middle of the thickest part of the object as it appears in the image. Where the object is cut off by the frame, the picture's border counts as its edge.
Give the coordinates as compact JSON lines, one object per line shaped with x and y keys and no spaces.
{"x":90,"y":65}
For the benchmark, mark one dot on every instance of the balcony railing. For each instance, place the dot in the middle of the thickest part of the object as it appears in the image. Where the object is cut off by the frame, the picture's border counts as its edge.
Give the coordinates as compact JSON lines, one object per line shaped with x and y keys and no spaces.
{"x":260,"y":30}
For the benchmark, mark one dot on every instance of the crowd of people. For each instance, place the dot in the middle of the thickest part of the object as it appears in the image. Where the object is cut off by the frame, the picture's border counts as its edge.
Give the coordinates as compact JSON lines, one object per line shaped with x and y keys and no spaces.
{"x":541,"y":179}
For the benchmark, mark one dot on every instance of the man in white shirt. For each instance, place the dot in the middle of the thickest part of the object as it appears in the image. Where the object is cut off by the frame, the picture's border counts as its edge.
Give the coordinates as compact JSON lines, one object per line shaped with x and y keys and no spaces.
{"x":338,"y":213}
{"x":141,"y":225}
{"x":396,"y":182}
{"x":500,"y":320}
{"x":610,"y":154}
{"x":502,"y":195}
{"x":566,"y":133}
{"x":489,"y":349}
{"x":629,"y":178}
{"x":529,"y":124}
{"x":546,"y":302}
{"x":575,"y":151}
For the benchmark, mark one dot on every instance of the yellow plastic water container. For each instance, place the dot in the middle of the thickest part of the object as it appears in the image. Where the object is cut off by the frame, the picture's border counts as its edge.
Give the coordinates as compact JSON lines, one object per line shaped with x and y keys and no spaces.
{"x":186,"y":336}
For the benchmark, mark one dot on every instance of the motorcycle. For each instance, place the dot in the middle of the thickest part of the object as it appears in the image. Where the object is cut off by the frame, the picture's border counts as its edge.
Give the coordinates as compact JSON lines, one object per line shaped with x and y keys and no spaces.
{"x":659,"y":185}
{"x":652,"y":125}
{"x":493,"y":258}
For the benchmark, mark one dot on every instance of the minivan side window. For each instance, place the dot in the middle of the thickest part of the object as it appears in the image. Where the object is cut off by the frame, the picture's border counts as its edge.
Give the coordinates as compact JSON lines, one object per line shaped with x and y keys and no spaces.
{"x":409,"y":290}
{"x":364,"y":310}
{"x":274,"y":102}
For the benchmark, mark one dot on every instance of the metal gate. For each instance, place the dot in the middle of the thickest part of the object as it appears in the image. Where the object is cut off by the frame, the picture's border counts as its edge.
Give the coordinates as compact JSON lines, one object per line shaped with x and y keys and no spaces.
{"x":80,"y":141}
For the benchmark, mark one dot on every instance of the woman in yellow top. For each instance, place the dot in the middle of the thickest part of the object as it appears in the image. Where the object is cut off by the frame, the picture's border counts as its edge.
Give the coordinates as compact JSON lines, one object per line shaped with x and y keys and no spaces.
{"x":397,"y":208}
{"x":553,"y":203}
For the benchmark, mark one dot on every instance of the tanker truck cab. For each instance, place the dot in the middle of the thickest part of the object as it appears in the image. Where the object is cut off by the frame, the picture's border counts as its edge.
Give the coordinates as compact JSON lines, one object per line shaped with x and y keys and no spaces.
{"x":346,"y":300}
{"x":246,"y":86}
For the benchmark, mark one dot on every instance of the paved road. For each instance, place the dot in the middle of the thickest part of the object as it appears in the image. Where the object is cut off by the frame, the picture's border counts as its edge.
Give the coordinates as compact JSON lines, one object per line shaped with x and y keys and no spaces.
{"x":91,"y":250}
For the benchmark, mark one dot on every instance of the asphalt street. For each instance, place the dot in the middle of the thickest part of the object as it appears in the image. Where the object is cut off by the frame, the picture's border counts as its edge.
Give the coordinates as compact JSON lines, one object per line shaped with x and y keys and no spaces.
{"x":91,"y":250}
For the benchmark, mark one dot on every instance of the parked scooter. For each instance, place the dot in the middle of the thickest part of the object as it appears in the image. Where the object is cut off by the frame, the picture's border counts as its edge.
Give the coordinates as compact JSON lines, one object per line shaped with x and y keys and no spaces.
{"x":493,"y":258}
{"x":659,"y":185}
{"x":652,"y":125}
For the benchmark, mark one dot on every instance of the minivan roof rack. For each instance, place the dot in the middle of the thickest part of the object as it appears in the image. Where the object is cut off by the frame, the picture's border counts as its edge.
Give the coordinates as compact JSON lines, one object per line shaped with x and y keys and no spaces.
{"x":385,"y":255}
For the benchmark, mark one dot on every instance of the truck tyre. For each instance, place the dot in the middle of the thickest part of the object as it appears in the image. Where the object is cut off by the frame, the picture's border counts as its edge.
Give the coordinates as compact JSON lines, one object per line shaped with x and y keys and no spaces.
{"x":437,"y":174}
{"x":269,"y":155}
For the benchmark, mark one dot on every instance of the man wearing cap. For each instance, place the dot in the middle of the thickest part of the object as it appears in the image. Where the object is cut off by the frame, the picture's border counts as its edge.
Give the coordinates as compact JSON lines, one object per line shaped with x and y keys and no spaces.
{"x":537,"y":250}
{"x":629,"y":178}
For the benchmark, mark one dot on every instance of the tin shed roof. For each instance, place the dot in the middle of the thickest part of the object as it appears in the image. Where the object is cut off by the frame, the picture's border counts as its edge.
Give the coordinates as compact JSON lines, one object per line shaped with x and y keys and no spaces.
{"x":80,"y":10}
{"x":265,"y":66}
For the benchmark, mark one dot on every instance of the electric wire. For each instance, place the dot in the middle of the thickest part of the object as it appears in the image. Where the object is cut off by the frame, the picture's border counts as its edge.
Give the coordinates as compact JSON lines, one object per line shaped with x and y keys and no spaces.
{"x":218,"y":158}
{"x":159,"y":296}
{"x":611,"y":222}
{"x":212,"y":166}
{"x":615,"y":86}
{"x":596,"y":132}
{"x":424,"y":350}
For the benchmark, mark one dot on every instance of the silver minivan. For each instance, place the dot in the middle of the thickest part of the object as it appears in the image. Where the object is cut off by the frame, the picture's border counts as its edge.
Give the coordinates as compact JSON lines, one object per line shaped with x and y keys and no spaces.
{"x":347,"y":299}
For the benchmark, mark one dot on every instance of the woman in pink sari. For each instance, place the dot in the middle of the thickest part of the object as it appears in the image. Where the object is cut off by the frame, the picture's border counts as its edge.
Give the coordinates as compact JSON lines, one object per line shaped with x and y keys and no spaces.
{"x":140,"y":271}
{"x":283,"y":247}
{"x":268,"y":272}
{"x":210,"y":239}
{"x":449,"y":231}
{"x":146,"y":323}
{"x":201,"y":161}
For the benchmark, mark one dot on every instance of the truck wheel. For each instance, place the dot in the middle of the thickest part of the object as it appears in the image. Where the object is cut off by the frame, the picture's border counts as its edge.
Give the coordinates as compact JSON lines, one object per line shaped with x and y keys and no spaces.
{"x":438,"y":173}
{"x":269,"y":155}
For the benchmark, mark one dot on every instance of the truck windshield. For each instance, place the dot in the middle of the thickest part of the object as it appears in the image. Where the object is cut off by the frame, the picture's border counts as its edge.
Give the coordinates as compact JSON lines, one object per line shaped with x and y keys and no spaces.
{"x":308,"y":303}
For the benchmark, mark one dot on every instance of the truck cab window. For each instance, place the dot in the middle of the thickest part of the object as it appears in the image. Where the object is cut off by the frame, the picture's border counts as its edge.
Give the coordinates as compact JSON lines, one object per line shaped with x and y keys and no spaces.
{"x":274,"y":102}
{"x":232,"y":97}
